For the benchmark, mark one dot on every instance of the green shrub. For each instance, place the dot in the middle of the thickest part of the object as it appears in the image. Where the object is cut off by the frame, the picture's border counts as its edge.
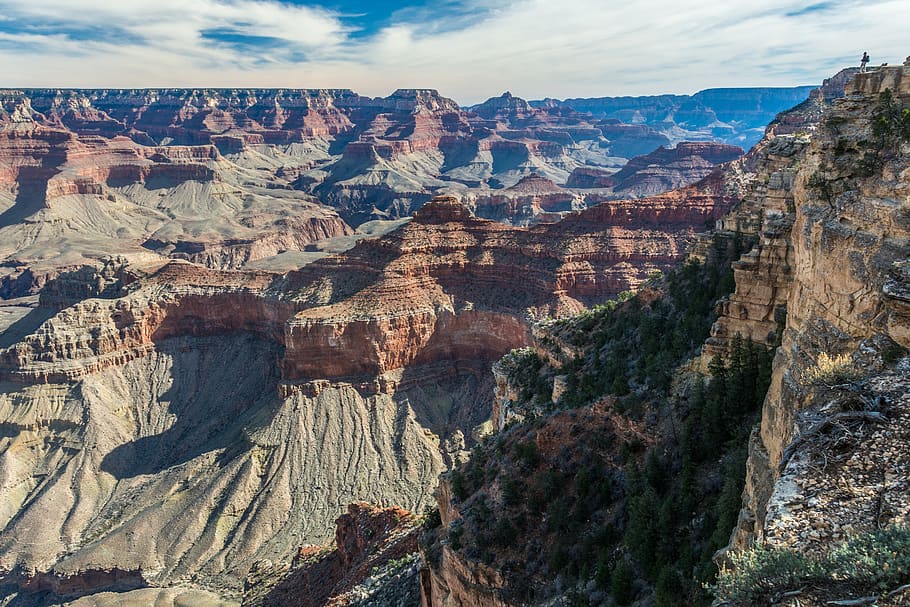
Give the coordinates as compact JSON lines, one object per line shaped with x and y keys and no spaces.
{"x":879,"y":559}
{"x":866,"y":564}
{"x":523,"y":368}
{"x":762,"y":572}
{"x":456,"y":531}
{"x":459,"y":485}
{"x":527,"y":454}
{"x":431,"y":518}
{"x":511,"y":492}
{"x":892,"y":353}
{"x":891,"y":123}
{"x":621,"y":583}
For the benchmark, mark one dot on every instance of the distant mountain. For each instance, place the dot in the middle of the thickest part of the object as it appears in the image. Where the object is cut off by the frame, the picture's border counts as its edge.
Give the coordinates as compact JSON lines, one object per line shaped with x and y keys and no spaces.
{"x":736,"y":116}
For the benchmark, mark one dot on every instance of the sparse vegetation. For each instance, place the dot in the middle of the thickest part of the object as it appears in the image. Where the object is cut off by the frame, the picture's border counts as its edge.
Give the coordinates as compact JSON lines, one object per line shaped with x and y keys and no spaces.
{"x":866,"y":565}
{"x":831,"y":370}
{"x":523,"y":368}
{"x":890,"y":123}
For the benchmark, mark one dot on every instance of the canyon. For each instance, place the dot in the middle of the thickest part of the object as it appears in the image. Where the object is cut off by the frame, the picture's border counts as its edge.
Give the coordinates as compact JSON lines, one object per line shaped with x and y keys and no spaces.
{"x":824,"y":197}
{"x":228,"y":178}
{"x":230,"y":314}
{"x":171,"y":425}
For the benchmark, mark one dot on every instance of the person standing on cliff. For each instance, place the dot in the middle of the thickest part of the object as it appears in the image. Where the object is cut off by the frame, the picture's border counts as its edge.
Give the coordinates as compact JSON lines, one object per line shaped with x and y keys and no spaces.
{"x":863,"y":62}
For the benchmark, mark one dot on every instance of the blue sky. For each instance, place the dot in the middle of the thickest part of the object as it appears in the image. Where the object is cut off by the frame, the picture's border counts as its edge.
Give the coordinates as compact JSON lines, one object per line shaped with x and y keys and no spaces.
{"x":468,"y":49}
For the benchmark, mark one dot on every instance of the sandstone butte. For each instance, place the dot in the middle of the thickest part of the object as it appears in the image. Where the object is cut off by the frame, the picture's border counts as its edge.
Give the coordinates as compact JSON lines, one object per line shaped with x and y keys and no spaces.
{"x":828,"y":275}
{"x":170,"y":425}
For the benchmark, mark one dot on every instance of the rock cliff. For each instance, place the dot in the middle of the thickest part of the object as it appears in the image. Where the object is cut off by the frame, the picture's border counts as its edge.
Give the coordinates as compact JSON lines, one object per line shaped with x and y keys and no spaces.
{"x":837,"y":273}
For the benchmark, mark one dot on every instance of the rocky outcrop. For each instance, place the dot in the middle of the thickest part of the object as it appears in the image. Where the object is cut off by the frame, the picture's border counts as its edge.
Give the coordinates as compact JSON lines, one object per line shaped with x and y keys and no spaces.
{"x":533,"y":199}
{"x":849,"y":238}
{"x":456,"y":582}
{"x":808,"y":508}
{"x":505,"y":107}
{"x":590,"y":177}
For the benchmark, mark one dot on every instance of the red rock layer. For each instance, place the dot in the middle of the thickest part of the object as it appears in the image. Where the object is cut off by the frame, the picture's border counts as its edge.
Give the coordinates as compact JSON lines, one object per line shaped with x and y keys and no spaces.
{"x":457,"y":287}
{"x":446,"y":286}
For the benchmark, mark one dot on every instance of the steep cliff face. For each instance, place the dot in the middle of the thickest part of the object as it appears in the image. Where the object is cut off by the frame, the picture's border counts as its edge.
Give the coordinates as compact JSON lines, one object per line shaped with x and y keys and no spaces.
{"x":842,"y":274}
{"x":756,"y":310}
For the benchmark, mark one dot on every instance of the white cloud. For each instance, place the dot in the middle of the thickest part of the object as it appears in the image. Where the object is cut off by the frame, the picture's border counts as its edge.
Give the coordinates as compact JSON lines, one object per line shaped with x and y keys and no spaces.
{"x":534,"y":48}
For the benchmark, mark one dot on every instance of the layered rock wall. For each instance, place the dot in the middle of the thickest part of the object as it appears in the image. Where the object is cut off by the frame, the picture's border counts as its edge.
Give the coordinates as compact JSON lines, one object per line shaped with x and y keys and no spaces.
{"x":848,"y":244}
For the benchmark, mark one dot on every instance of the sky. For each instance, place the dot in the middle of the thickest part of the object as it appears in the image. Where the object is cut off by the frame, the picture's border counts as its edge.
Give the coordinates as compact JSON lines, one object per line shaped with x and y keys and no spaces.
{"x":469,"y":50}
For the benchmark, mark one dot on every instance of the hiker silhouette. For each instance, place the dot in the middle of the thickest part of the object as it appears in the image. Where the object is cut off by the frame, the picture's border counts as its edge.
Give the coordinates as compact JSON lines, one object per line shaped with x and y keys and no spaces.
{"x":863,"y":62}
